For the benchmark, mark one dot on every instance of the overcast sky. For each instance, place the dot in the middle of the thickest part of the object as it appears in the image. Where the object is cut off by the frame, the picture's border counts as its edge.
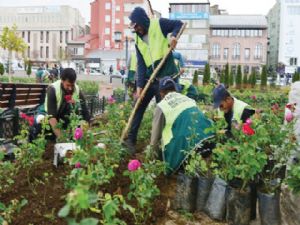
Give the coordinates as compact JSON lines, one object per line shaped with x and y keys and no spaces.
{"x":232,"y":6}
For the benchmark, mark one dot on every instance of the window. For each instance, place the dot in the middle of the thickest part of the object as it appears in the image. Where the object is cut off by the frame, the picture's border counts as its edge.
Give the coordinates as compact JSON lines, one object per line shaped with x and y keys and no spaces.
{"x":47,"y":52}
{"x":107,"y":18}
{"x":107,"y":5}
{"x":23,"y":34}
{"x":214,"y":32}
{"x":47,"y":37}
{"x":42,"y":37}
{"x":67,"y":36}
{"x":236,"y":51}
{"x":247,"y":53}
{"x":247,"y":33}
{"x":107,"y":44}
{"x":256,"y":33}
{"x":225,"y":55}
{"x":260,"y":32}
{"x":226,"y":33}
{"x":28,"y":37}
{"x":293,"y":61}
{"x":118,"y":8}
{"x":258,"y":51}
{"x":41,"y":52}
{"x":107,"y":30}
{"x":60,"y":37}
{"x":216,"y":51}
{"x":242,"y":33}
{"x":117,"y":21}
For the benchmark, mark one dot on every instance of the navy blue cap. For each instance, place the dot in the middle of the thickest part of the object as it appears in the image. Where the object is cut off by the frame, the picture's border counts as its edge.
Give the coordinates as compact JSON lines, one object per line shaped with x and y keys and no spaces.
{"x":167,"y":83}
{"x":219,"y":94}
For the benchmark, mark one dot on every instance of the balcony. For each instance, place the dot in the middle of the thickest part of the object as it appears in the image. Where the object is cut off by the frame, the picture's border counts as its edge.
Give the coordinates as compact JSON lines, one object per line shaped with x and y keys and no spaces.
{"x":215,"y":57}
{"x":236,"y":57}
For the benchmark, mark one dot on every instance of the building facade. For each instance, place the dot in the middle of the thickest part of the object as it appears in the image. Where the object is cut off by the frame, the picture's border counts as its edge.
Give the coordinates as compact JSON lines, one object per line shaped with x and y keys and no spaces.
{"x":284,"y":34}
{"x":238,"y":40}
{"x":109,"y":23}
{"x":193,"y":44}
{"x":45,"y":29}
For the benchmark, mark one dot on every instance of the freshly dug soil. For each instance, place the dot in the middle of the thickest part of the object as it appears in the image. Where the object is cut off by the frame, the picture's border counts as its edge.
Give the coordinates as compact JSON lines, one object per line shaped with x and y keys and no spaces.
{"x":47,"y":197}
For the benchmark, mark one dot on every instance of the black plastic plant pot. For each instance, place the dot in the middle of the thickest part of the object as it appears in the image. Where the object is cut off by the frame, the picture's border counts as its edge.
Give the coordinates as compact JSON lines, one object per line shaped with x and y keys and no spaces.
{"x":238,"y":206}
{"x":215,"y":206}
{"x":269,"y":208}
{"x":185,"y":198}
{"x":203,"y":189}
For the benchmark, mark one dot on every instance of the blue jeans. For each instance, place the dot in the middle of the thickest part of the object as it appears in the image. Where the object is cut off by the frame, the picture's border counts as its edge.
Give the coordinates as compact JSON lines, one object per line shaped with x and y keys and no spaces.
{"x":153,"y":91}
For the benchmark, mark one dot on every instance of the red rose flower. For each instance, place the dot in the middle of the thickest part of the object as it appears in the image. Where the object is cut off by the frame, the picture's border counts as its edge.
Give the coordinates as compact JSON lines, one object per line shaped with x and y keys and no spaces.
{"x":248,"y":130}
{"x":68,"y":98}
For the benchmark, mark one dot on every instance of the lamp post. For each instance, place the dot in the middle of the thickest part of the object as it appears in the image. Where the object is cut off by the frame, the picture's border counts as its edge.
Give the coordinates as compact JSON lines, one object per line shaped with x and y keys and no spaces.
{"x":127,"y":69}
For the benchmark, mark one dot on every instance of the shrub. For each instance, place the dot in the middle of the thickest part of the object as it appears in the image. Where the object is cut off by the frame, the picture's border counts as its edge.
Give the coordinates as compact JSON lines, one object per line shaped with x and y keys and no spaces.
{"x":226,"y":76}
{"x":238,"y":80}
{"x":2,"y":69}
{"x":263,"y":78}
{"x":195,"y":78}
{"x":28,"y":70}
{"x":206,"y":77}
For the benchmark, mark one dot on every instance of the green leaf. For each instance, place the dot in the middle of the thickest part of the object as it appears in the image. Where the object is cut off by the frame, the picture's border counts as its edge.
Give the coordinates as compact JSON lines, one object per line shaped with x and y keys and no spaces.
{"x":89,"y":221}
{"x":2,"y":206}
{"x":63,"y":212}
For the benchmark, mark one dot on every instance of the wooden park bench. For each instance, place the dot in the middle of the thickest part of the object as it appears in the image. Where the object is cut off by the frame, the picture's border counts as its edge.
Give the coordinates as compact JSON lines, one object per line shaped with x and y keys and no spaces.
{"x":16,"y":97}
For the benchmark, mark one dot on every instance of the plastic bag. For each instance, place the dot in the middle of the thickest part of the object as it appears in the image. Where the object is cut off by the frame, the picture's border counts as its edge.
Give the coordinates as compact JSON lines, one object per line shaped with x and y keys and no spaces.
{"x":269,"y":208}
{"x":203,"y":189}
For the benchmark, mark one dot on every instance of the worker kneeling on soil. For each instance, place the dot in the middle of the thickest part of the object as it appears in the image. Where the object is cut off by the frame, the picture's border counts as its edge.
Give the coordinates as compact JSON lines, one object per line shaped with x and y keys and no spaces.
{"x":234,"y":111}
{"x":178,"y":126}
{"x":62,"y":97}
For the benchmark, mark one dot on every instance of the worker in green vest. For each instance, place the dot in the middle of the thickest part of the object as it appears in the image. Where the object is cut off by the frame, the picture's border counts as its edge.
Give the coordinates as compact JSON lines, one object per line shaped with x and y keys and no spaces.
{"x":188,"y":89}
{"x":178,"y":126}
{"x":62,"y":97}
{"x":152,"y":44}
{"x":234,"y":111}
{"x":131,"y":74}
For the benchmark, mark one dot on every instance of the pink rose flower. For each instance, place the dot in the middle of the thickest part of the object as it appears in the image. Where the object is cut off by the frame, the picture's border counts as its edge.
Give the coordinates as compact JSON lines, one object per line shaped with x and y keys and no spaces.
{"x":253,"y":97}
{"x":249,"y":121}
{"x":111,"y":100}
{"x":247,"y":129}
{"x":289,"y":116}
{"x":275,"y":107}
{"x":133,"y":165}
{"x":78,"y":133}
{"x":77,"y":165}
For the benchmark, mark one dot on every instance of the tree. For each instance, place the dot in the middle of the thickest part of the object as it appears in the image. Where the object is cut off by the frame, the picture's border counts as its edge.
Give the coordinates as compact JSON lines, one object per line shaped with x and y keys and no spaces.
{"x":28,"y":71}
{"x":2,"y":69}
{"x":231,"y":78}
{"x":253,"y":78}
{"x":245,"y":80}
{"x":296,"y":77}
{"x":10,"y":41}
{"x":206,"y":76}
{"x":238,"y":80}
{"x":226,"y":75}
{"x":222,"y":78}
{"x":263,"y":78}
{"x":195,"y":78}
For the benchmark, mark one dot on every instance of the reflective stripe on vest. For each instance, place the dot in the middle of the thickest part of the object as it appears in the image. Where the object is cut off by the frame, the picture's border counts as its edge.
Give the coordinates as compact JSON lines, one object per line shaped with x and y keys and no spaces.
{"x":157,"y":46}
{"x":58,"y":93}
{"x":238,"y":109}
{"x":133,"y":62}
{"x":172,"y":106}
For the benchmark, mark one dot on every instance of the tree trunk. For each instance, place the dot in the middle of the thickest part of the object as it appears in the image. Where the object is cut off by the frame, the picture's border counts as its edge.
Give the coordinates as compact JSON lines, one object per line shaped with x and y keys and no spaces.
{"x":9,"y":66}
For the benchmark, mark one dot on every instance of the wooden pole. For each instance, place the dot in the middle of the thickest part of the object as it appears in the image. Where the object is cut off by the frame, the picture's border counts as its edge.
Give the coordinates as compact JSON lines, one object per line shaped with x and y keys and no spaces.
{"x":139,"y":100}
{"x":151,"y":9}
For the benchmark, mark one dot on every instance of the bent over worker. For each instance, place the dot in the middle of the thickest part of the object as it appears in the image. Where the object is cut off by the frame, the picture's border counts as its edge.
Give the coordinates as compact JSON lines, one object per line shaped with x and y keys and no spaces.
{"x":178,"y":126}
{"x":62,"y":96}
{"x":152,"y":45}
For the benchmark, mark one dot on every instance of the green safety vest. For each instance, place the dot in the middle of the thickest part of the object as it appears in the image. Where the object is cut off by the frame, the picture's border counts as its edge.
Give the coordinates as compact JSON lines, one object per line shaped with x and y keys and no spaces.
{"x":58,"y":93}
{"x":184,"y":128}
{"x":154,"y":51}
{"x":238,"y":109}
{"x":133,"y":62}
{"x":157,"y":46}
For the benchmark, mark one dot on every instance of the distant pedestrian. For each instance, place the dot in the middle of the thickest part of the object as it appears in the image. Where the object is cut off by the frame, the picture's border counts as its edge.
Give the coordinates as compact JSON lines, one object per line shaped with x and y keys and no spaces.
{"x":111,"y":70}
